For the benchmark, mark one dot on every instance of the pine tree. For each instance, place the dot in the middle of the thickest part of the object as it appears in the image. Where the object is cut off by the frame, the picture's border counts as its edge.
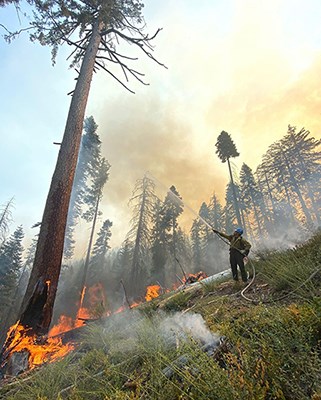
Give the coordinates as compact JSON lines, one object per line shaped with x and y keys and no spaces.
{"x":251,"y":197}
{"x":275,"y":178}
{"x":302,"y":157}
{"x":159,"y":246}
{"x":271,"y":208}
{"x":207,"y":236}
{"x":101,"y":245}
{"x":226,"y":149}
{"x":97,"y":271}
{"x":15,"y":2}
{"x":5,"y":219}
{"x":172,"y":209}
{"x":93,"y":198}
{"x":101,"y":26}
{"x":142,"y":202}
{"x":89,"y":155}
{"x":122,"y":266}
{"x":183,"y":251}
{"x":216,"y":213}
{"x":196,"y":241}
{"x":10,"y":268}
{"x":229,"y":211}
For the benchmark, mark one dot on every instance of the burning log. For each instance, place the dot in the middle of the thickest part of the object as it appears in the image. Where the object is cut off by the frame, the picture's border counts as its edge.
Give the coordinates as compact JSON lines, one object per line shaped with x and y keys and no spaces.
{"x":25,"y":350}
{"x":192,"y":278}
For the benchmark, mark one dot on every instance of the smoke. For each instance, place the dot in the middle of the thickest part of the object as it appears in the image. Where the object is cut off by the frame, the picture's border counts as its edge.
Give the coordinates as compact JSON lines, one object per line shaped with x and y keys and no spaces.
{"x":157,"y":141}
{"x":182,"y":326}
{"x":171,"y":330}
{"x":284,"y":238}
{"x":252,"y":78}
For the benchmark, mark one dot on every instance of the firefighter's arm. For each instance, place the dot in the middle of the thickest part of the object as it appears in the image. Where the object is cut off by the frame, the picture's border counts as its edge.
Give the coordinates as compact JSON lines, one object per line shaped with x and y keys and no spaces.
{"x":224,"y":235}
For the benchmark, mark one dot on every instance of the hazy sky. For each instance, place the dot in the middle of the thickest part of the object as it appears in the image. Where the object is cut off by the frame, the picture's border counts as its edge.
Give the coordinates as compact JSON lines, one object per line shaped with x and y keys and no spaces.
{"x":248,"y":67}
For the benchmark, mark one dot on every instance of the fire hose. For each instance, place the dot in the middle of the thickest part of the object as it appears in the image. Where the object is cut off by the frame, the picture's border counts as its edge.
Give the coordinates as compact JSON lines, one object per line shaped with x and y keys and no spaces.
{"x":314,"y":273}
{"x":210,"y":226}
{"x":250,"y":261}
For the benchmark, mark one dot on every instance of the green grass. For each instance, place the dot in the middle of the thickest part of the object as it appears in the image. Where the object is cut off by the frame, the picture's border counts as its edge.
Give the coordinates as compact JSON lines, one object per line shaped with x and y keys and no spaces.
{"x":210,"y":287}
{"x":271,"y":351}
{"x":290,"y":270}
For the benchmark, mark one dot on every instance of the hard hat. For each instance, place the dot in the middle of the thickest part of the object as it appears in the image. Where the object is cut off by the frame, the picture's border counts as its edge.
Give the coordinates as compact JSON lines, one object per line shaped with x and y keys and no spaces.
{"x":239,"y":230}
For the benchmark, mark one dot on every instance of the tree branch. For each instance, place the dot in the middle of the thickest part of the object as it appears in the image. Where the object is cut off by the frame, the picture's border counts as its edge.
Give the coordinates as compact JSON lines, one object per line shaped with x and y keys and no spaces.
{"x":12,"y":35}
{"x":140,"y":42}
{"x":115,"y":77}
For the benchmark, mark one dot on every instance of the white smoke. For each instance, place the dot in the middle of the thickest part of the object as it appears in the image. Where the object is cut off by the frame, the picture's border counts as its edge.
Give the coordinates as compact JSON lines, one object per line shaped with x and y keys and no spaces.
{"x":172,"y":329}
{"x":182,"y":326}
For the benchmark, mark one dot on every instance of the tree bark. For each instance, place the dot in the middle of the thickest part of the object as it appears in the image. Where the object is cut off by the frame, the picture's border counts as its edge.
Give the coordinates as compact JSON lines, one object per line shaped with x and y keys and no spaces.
{"x":37,"y":306}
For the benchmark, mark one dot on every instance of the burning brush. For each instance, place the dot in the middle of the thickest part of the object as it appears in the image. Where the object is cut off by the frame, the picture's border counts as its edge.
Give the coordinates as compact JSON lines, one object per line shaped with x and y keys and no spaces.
{"x":25,"y":350}
{"x":192,"y":278}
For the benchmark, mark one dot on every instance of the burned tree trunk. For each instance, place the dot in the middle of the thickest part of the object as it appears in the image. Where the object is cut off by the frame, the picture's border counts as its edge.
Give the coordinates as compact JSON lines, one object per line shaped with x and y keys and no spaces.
{"x":37,"y":306}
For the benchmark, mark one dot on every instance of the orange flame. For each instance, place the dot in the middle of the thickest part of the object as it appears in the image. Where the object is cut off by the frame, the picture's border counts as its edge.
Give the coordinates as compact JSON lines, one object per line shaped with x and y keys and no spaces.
{"x":49,"y":351}
{"x":83,"y":292}
{"x":53,"y":348}
{"x":152,"y":292}
{"x":120,"y":309}
{"x":94,"y":295}
{"x":191,"y":278}
{"x":64,"y":324}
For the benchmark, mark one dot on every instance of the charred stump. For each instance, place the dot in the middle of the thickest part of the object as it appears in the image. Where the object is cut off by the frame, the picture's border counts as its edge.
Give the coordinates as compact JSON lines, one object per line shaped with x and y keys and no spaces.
{"x":35,"y":312}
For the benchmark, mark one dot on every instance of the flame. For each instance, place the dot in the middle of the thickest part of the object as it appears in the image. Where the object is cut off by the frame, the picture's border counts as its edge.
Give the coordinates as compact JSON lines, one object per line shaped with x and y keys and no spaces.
{"x":53,"y":349}
{"x":120,"y":309}
{"x":152,"y":292}
{"x":64,"y":324}
{"x":49,"y":351}
{"x":198,"y":276}
{"x":95,"y":295}
{"x":83,"y":292}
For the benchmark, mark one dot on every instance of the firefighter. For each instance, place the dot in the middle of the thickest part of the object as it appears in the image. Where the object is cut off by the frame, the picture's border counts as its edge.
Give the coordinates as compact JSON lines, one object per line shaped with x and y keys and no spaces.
{"x":239,"y":249}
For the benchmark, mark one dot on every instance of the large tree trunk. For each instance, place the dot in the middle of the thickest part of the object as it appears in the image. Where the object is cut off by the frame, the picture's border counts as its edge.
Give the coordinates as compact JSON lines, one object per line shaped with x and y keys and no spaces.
{"x":37,"y":306}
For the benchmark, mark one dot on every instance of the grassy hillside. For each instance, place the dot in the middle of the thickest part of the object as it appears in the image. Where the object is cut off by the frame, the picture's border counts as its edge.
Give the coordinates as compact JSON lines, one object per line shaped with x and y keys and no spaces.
{"x":270,"y":343}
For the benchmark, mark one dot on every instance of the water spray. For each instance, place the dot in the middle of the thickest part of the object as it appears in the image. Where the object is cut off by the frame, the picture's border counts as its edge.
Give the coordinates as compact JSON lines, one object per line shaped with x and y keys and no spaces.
{"x":207,"y":224}
{"x":180,"y":201}
{"x":187,"y":206}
